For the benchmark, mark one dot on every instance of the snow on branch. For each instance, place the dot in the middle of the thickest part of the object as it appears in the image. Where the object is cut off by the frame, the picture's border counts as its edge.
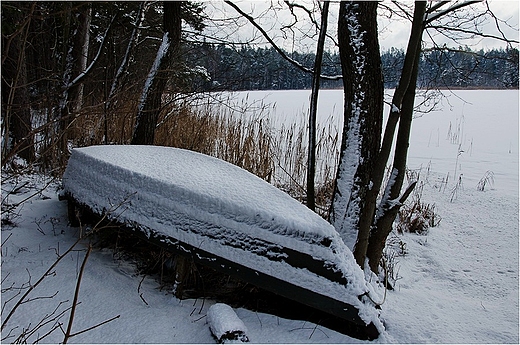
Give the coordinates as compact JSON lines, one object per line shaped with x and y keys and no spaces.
{"x":131,"y":43}
{"x":96,"y":58}
{"x":165,"y":44}
{"x":225,"y":324}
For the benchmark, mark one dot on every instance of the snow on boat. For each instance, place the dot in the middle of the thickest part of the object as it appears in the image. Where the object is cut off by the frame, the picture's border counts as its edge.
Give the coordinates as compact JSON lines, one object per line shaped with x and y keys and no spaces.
{"x":226,"y":218}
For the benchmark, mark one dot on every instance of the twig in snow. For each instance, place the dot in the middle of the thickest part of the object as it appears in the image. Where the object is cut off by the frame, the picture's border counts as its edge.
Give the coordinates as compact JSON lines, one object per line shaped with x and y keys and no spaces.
{"x":6,"y":240}
{"x":258,"y":317}
{"x":76,"y":294}
{"x":2,"y":283}
{"x":139,"y":290}
{"x":48,"y":318}
{"x":95,"y":326}
{"x":308,"y":328}
{"x":40,"y":297}
{"x":200,"y":318}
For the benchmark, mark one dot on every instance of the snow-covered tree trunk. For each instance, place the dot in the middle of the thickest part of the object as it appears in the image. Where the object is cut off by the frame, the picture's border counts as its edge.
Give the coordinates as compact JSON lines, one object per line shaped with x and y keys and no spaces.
{"x":150,"y":103}
{"x":125,"y":62}
{"x":64,"y":111}
{"x":75,"y":67}
{"x":83,"y":50}
{"x":122,"y":70}
{"x":363,"y":87}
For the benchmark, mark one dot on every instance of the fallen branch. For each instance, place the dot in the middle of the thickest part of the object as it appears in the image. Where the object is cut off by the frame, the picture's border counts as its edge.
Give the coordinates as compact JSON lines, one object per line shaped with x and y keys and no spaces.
{"x":23,"y":338}
{"x":68,"y":333}
{"x":76,"y":294}
{"x":139,"y":291}
{"x":95,"y":326}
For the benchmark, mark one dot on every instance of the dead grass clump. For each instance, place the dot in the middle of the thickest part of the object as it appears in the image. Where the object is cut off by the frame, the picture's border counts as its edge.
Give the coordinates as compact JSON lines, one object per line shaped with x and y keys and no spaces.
{"x":417,"y":216}
{"x":105,"y":124}
{"x":237,"y":132}
{"x":242,"y":141}
{"x":394,"y":249}
{"x":290,"y":155}
{"x":247,"y":139}
{"x":488,"y":180}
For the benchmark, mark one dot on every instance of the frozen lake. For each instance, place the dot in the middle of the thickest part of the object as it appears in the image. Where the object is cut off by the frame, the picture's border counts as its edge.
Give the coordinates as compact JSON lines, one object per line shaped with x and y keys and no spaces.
{"x":469,"y":133}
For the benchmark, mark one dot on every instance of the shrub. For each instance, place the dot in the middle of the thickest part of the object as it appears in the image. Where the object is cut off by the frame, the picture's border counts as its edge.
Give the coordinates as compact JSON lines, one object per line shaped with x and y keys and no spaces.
{"x":487,"y":180}
{"x":417,"y":217}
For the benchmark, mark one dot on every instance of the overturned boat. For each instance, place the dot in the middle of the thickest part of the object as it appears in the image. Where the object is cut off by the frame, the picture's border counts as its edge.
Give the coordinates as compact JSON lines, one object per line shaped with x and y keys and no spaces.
{"x":226,"y":218}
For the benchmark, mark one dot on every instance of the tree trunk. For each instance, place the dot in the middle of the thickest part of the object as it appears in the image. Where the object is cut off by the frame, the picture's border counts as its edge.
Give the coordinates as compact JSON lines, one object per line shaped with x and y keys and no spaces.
{"x":391,"y":201}
{"x":75,"y":65}
{"x":17,"y":132}
{"x":83,"y":50}
{"x":122,"y":70}
{"x":363,"y":87}
{"x":311,"y":161}
{"x":150,"y":103}
{"x":367,"y":218}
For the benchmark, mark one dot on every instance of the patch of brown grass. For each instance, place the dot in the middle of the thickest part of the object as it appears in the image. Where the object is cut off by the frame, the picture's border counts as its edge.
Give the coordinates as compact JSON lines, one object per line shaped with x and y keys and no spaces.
{"x":236,"y":139}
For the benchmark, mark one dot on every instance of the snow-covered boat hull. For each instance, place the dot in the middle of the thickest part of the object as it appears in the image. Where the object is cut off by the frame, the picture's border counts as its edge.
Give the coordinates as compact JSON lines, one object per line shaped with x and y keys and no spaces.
{"x":225,"y":218}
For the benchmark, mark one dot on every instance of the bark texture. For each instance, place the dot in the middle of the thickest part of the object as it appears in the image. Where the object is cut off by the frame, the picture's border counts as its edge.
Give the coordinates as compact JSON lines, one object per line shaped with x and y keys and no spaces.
{"x":402,"y":109}
{"x":16,"y":113}
{"x":363,"y":88}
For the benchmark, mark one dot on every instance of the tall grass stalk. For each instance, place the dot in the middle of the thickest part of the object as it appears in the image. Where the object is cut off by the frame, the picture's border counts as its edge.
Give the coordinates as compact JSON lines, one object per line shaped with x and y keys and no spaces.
{"x":249,"y":140}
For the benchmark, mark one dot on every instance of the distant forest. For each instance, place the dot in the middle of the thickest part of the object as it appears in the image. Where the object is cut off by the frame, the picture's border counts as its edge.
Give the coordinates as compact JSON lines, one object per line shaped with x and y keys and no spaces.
{"x":249,"y":68}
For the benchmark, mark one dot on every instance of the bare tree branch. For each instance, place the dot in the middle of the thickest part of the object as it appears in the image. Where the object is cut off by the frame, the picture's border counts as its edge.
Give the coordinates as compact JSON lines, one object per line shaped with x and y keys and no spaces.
{"x":442,"y":29}
{"x":437,"y":6}
{"x":95,"y":326}
{"x":275,"y":46}
{"x":497,"y":24}
{"x":457,"y":6}
{"x":407,"y":14}
{"x":292,"y":5}
{"x":83,"y":74}
{"x":32,"y":287}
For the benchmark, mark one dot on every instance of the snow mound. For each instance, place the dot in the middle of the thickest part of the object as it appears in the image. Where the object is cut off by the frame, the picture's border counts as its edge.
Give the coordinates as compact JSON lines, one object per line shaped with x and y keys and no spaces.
{"x":225,"y":324}
{"x":219,"y":208}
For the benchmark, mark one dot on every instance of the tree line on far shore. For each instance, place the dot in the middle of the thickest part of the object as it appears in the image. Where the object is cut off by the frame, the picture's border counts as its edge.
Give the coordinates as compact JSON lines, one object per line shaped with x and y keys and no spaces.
{"x":255,"y":68}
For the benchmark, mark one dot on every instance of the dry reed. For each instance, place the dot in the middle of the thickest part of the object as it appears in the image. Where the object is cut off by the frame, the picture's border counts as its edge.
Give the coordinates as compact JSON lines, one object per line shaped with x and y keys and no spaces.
{"x":233,"y":132}
{"x":278,"y":156}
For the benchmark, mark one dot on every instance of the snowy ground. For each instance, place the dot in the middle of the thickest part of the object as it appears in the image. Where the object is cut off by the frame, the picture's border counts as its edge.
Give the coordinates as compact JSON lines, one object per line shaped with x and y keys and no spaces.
{"x":458,"y":284}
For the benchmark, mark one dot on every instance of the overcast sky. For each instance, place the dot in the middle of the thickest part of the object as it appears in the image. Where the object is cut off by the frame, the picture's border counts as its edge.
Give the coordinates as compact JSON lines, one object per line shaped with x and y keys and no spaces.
{"x":393,"y":32}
